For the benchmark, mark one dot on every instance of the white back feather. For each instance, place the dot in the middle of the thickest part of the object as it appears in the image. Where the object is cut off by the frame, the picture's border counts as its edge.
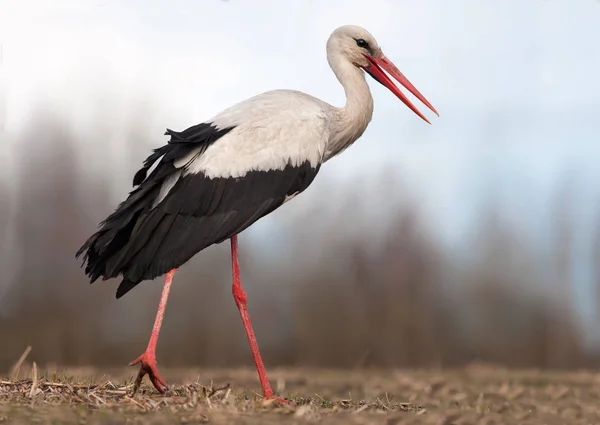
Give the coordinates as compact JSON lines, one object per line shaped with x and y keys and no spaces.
{"x":272,"y":130}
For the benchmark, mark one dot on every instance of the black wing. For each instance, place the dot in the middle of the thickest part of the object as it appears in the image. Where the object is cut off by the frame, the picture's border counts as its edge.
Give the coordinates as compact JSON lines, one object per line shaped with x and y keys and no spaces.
{"x":141,"y":241}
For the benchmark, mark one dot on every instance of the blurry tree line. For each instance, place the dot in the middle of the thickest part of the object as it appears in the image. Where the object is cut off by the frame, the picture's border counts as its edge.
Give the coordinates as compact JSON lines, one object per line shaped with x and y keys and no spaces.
{"x":403,"y":302}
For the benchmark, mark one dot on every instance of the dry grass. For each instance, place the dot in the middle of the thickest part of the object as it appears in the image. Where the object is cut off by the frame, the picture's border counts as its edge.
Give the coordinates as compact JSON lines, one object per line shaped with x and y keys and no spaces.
{"x":476,"y":394}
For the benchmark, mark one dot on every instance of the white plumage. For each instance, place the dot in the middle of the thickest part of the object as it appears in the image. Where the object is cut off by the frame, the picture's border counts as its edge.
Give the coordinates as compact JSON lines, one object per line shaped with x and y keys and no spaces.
{"x":271,"y":131}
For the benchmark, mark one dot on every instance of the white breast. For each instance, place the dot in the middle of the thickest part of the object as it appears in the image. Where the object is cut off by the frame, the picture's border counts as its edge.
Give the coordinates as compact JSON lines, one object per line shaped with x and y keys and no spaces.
{"x":272,"y":130}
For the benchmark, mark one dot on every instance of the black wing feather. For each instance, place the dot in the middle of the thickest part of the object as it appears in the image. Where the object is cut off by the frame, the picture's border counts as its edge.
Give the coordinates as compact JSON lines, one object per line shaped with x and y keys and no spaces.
{"x":140,"y":241}
{"x":200,"y":211}
{"x":180,"y":144}
{"x":115,"y":231}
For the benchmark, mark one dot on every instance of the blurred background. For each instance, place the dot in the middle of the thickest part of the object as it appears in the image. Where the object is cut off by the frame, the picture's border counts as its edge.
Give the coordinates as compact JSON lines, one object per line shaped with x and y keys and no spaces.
{"x":474,"y":239}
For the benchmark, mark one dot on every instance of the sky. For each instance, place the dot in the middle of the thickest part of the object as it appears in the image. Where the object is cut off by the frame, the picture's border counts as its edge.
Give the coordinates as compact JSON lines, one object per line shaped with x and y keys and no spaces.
{"x":515,"y":81}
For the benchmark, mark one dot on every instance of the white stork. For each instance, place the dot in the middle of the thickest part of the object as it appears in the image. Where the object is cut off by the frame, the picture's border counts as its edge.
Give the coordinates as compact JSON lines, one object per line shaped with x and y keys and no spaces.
{"x":213,"y":180}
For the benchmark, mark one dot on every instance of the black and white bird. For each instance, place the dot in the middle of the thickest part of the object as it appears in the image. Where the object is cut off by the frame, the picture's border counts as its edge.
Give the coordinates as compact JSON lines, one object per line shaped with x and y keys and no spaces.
{"x":213,"y":180}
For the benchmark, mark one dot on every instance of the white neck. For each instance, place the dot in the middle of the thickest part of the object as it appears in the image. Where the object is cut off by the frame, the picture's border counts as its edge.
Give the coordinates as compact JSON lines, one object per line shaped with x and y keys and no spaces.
{"x":350,"y":121}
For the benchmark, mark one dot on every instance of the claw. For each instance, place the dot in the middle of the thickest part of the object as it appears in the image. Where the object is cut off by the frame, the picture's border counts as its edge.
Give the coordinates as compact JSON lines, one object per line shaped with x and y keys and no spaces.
{"x":148,"y":366}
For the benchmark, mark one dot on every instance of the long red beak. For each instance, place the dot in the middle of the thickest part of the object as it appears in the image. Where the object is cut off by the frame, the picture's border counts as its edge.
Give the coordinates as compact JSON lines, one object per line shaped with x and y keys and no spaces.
{"x":375,"y":70}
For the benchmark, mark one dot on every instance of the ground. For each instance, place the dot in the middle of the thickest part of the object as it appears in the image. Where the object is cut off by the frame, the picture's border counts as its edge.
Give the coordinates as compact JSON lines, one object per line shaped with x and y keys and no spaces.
{"x":473,"y":395}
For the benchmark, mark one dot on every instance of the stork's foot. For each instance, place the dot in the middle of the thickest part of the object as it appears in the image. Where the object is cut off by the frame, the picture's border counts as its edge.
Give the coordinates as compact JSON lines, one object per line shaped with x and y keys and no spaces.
{"x":271,"y":399}
{"x":148,"y":366}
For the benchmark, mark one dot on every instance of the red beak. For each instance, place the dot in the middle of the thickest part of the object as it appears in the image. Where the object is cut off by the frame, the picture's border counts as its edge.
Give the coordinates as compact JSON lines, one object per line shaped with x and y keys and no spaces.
{"x":375,"y":70}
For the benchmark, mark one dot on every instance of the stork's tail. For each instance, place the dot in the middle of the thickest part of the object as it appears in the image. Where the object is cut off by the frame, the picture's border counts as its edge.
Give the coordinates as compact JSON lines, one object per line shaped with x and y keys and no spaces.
{"x":101,"y":250}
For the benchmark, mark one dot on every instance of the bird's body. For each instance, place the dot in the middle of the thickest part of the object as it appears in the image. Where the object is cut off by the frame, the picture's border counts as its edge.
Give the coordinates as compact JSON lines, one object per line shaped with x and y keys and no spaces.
{"x":213,"y":180}
{"x":210,"y":182}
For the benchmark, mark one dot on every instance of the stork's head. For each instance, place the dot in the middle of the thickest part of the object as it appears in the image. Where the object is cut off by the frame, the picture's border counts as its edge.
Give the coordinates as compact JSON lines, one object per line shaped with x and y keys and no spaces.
{"x":359,"y":47}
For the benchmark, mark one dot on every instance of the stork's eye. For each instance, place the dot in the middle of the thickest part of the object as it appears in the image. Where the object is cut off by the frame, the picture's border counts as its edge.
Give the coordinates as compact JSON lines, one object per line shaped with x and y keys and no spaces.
{"x":362,"y":43}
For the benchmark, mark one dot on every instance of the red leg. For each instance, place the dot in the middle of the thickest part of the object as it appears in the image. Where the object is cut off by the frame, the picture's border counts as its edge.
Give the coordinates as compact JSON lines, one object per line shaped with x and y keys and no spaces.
{"x":241,"y":297}
{"x":148,"y":359}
